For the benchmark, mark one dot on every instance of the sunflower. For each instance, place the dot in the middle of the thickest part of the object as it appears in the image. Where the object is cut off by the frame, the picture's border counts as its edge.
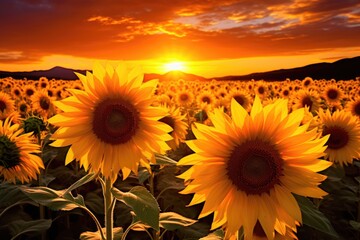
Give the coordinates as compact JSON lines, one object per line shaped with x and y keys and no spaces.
{"x":17,"y":153}
{"x":16,"y":92}
{"x":344,"y":142}
{"x":111,"y":125}
{"x":252,"y":164}
{"x":307,"y":82}
{"x":7,"y":105}
{"x":184,"y":98}
{"x":205,"y":100}
{"x":307,"y":98}
{"x":353,"y":106}
{"x":176,"y":121}
{"x":43,"y":83}
{"x":242,"y":98}
{"x":42,"y":104}
{"x":29,"y":90}
{"x":332,"y":94}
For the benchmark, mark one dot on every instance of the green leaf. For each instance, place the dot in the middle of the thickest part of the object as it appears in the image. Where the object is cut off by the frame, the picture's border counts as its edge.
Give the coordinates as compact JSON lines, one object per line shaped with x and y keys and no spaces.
{"x":216,"y":235}
{"x":53,"y":199}
{"x":10,"y":194}
{"x":143,"y":204}
{"x":87,"y":178}
{"x":355,"y":225}
{"x":143,"y":175}
{"x":118,"y":232}
{"x":312,"y":217}
{"x":19,"y":227}
{"x":164,"y":160}
{"x":171,"y":221}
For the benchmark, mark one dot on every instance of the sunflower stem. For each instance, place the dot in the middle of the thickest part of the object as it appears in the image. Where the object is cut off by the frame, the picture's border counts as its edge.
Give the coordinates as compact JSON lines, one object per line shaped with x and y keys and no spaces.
{"x":109,"y":209}
{"x":156,"y":234}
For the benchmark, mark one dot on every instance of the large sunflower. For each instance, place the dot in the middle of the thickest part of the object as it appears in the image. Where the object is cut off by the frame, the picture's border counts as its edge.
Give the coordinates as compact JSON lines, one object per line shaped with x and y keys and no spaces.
{"x":246,"y":168}
{"x":17,"y":153}
{"x":344,"y":142}
{"x":111,"y":125}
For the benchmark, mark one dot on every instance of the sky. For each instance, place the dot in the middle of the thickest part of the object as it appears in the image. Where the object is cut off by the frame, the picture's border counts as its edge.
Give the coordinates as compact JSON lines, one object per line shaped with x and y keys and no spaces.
{"x":210,"y":38}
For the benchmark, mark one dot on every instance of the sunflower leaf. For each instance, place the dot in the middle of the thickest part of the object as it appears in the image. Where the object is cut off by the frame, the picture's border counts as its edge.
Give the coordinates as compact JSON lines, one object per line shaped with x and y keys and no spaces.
{"x":54,"y":199}
{"x":85,"y":179}
{"x":171,"y":221}
{"x":313,"y":218}
{"x":164,"y":160}
{"x":216,"y":235}
{"x":20,"y":227}
{"x":142,"y":203}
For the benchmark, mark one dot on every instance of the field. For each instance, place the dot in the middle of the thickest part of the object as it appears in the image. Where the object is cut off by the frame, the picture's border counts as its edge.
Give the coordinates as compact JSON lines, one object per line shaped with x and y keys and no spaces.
{"x":245,"y":158}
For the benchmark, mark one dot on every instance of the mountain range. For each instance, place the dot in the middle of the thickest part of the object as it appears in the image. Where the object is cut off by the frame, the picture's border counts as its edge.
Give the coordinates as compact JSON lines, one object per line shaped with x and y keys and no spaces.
{"x":343,"y":69}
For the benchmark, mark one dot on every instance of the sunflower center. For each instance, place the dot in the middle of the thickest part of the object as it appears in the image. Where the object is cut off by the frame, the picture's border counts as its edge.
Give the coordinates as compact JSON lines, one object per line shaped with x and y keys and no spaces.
{"x":261,"y":90}
{"x":115,"y":121}
{"x":339,"y":137}
{"x":286,"y":92}
{"x":240,"y":100}
{"x":206,"y":99}
{"x":29,"y":92}
{"x":255,"y":167}
{"x":169,"y":121}
{"x":23,"y":107}
{"x":9,"y":153}
{"x":306,"y":83}
{"x":332,"y":93}
{"x":2,"y":106}
{"x":306,"y":101}
{"x":184,"y":97}
{"x":44,"y":103}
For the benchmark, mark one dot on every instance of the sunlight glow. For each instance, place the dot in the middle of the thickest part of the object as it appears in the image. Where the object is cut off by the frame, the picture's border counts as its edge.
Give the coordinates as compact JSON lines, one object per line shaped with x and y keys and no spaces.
{"x":172,"y":66}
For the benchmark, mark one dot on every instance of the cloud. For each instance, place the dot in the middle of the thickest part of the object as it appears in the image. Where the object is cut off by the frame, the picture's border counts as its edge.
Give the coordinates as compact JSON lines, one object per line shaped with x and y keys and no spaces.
{"x":141,"y":29}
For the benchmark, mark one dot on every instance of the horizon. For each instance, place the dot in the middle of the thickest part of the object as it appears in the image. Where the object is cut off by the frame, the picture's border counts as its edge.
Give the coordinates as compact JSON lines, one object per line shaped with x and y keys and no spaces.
{"x":181,"y":70}
{"x":208,"y":39}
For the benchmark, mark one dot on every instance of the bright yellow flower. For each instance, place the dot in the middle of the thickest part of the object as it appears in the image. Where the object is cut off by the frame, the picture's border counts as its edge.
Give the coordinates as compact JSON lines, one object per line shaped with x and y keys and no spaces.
{"x":176,"y":121}
{"x":344,"y":142}
{"x":7,"y":105}
{"x":42,"y":104}
{"x":111,"y":125}
{"x":246,"y":168}
{"x":17,"y":153}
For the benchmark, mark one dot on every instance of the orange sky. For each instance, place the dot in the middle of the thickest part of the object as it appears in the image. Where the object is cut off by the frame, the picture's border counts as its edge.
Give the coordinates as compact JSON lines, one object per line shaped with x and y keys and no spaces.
{"x":212,"y":38}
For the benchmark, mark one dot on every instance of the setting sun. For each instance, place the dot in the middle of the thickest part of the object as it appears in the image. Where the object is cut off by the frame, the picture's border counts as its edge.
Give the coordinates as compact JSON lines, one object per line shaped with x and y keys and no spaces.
{"x":171,"y":66}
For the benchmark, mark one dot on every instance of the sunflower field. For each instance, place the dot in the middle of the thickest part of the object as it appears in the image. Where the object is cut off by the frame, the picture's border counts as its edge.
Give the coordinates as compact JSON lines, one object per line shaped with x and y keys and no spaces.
{"x":111,"y":156}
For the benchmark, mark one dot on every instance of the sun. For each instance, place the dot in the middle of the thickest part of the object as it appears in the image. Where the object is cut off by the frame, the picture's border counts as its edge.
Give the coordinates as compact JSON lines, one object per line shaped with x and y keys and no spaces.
{"x":174,"y":66}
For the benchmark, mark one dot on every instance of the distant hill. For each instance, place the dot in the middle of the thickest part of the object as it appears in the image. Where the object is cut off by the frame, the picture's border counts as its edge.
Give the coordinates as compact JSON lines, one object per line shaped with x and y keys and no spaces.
{"x":55,"y":72}
{"x":344,"y":69}
{"x":173,"y":75}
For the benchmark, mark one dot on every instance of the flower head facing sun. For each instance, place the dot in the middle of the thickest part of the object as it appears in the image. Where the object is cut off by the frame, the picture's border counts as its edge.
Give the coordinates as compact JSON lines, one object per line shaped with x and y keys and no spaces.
{"x":344,"y":141}
{"x":111,"y":126}
{"x":252,"y":163}
{"x":17,"y":153}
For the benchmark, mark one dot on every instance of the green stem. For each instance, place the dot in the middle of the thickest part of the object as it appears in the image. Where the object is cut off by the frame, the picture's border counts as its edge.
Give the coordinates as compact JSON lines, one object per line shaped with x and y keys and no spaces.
{"x":156,"y":234}
{"x":109,"y":209}
{"x":98,"y":225}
